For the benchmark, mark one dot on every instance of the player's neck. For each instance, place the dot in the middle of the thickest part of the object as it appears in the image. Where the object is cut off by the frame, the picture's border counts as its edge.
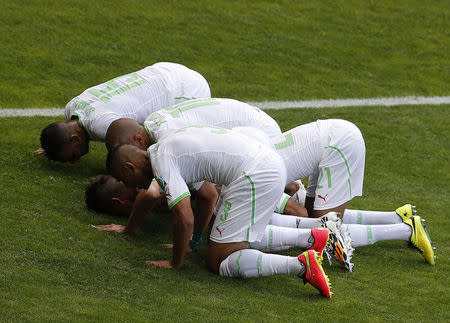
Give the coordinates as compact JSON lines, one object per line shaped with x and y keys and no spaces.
{"x":75,"y":127}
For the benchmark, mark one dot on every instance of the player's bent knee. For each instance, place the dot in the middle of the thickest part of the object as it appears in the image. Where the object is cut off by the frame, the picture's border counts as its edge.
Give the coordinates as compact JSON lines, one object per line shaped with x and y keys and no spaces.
{"x":218,"y":252}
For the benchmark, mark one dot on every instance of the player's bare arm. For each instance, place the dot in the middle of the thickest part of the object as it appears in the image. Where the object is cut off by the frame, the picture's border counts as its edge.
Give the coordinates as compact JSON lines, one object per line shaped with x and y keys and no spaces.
{"x":183,"y":224}
{"x":206,"y":201}
{"x":145,"y":201}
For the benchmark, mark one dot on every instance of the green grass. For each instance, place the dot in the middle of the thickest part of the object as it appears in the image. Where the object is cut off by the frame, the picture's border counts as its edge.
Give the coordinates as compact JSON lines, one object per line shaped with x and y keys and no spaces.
{"x":264,"y":50}
{"x":56,"y":267}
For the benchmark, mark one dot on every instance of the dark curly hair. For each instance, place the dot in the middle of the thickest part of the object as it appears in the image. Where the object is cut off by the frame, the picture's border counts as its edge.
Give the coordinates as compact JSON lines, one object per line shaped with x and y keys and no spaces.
{"x":53,"y":139}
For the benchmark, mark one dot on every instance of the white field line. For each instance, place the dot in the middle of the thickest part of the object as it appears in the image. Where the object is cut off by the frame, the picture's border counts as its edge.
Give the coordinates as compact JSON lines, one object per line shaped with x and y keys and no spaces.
{"x":338,"y":103}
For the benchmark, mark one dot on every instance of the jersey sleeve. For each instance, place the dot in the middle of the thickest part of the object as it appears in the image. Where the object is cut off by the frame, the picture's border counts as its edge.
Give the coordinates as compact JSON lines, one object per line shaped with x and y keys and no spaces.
{"x":155,"y":124}
{"x":98,"y":125}
{"x":168,"y":177}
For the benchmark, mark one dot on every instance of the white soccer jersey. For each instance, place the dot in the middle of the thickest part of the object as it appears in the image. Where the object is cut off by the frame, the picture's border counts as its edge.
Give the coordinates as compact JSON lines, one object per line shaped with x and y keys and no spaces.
{"x":224,"y":113}
{"x":253,"y":174}
{"x":331,"y":153}
{"x":198,"y":153}
{"x":301,"y":148}
{"x":135,"y":96}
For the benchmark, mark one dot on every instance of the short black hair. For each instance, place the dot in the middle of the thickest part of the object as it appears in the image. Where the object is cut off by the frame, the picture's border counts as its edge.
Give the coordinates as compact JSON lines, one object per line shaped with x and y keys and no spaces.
{"x":110,"y":157}
{"x":53,"y":140}
{"x":97,"y":194}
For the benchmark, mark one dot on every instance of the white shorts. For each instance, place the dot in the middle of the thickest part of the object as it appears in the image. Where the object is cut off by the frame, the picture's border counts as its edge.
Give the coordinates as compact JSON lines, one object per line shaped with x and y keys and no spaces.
{"x":246,"y":205}
{"x":193,"y":86}
{"x":341,"y":170}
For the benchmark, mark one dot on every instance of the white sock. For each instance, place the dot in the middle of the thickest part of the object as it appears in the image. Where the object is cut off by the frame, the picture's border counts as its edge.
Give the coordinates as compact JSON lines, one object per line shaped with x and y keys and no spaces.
{"x":364,"y":235}
{"x":276,"y":237}
{"x":290,"y":221}
{"x":253,"y":263}
{"x":370,"y":217}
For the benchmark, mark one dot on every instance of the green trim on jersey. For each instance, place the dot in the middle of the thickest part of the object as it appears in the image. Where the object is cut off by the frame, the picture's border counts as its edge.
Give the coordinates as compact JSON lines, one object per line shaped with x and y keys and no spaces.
{"x":178,"y":199}
{"x":149,"y":134}
{"x":283,"y":205}
{"x":79,"y":119}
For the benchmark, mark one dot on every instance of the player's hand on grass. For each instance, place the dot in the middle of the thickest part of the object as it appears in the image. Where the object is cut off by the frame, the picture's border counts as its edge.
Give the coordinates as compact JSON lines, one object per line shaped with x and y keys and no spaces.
{"x":40,"y":151}
{"x":160,"y":263}
{"x":170,"y":246}
{"x":110,"y":227}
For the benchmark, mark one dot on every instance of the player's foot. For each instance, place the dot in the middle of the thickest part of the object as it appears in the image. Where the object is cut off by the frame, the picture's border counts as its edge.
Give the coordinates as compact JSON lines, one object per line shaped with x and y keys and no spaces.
{"x":314,"y":273}
{"x":320,"y":237}
{"x":406,"y":211}
{"x":340,"y":245}
{"x":420,"y":238}
{"x":330,"y":216}
{"x":300,"y":195}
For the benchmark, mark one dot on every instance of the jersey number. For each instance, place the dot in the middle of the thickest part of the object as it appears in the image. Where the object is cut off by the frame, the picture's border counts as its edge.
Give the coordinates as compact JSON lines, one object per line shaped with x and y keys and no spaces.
{"x":288,"y":141}
{"x":327,"y":170}
{"x":224,"y":216}
{"x":113,"y":88}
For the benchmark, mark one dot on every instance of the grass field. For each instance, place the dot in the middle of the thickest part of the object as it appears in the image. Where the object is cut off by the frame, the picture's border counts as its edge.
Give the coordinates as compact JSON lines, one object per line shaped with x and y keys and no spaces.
{"x":55,"y":267}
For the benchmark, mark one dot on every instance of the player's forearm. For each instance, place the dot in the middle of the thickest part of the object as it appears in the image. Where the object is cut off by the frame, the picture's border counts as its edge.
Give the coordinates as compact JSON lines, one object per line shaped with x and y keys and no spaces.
{"x":142,"y":206}
{"x":183,"y":227}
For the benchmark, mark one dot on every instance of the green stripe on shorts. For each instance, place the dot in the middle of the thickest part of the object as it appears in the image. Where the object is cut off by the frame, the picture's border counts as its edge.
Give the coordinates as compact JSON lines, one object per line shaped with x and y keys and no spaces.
{"x":346,"y":165}
{"x":253,"y":197}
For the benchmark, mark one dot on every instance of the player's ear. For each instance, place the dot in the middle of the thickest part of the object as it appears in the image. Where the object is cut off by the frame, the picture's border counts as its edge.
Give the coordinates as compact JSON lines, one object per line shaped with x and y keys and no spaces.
{"x":74,"y":138}
{"x":128,"y":168}
{"x":116,"y":202}
{"x":139,"y":141}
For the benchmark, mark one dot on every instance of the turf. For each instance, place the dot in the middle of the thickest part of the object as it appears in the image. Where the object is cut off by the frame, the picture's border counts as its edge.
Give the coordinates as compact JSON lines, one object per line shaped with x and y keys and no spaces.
{"x":259,"y":50}
{"x":55,"y":267}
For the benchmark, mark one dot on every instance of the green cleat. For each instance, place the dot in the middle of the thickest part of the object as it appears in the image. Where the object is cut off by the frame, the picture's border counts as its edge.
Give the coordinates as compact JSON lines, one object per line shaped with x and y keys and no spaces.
{"x":420,"y":238}
{"x":406,"y":211}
